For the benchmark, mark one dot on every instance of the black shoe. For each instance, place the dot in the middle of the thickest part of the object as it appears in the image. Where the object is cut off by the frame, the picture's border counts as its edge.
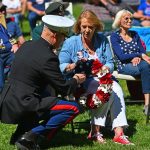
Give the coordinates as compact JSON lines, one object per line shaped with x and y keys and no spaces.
{"x":28,"y":142}
{"x":14,"y":138}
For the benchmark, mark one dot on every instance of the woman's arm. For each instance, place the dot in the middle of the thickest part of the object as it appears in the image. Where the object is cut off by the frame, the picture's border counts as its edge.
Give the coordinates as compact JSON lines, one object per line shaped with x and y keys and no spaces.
{"x":31,"y":8}
{"x":140,"y":13}
{"x":65,"y":57}
{"x":14,"y":10}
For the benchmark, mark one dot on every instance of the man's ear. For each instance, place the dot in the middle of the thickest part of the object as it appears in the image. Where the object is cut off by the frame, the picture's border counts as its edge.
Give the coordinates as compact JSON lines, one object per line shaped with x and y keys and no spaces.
{"x":54,"y":34}
{"x":53,"y":37}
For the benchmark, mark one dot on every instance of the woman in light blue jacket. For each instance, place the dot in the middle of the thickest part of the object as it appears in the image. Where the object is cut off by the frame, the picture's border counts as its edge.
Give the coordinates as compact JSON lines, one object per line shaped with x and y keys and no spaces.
{"x":89,"y":44}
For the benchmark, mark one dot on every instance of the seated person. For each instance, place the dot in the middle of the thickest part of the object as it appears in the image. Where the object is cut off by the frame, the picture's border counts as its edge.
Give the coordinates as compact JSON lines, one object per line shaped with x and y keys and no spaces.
{"x":36,"y":11}
{"x":15,"y":31}
{"x":113,"y":6}
{"x":143,"y":13}
{"x":54,"y":8}
{"x":131,"y":58}
{"x":6,"y":54}
{"x":13,"y":28}
{"x":24,"y":7}
{"x":14,"y":9}
{"x":90,"y":44}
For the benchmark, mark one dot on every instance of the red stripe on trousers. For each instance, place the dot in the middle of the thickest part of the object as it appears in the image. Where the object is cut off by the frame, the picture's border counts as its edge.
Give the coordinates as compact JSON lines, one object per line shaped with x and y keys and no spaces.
{"x":65,"y":107}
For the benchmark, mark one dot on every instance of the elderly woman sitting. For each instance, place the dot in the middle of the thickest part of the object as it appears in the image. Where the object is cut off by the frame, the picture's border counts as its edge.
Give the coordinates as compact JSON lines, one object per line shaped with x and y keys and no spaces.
{"x":130,"y":55}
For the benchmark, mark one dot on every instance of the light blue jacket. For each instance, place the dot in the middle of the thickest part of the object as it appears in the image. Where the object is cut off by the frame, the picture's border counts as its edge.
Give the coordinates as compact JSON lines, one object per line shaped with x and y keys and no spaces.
{"x":72,"y":45}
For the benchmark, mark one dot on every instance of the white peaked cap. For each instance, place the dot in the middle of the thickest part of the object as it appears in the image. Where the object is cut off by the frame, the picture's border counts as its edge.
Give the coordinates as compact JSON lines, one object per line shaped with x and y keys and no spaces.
{"x":58,"y":23}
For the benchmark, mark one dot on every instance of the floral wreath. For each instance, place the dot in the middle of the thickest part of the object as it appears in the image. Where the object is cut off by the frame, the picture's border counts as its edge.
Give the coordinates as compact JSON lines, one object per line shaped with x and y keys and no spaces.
{"x":105,"y":86}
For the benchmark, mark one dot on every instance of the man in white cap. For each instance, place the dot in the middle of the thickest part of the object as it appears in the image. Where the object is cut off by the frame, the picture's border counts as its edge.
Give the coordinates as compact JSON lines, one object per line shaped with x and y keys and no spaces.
{"x":35,"y":67}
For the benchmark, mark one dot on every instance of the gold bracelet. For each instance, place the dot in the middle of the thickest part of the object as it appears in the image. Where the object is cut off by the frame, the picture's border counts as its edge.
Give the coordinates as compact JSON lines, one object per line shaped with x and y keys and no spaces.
{"x":13,"y":41}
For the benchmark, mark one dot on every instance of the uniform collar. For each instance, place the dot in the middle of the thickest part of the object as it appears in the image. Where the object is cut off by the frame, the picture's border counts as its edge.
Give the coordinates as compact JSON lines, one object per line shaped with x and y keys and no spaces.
{"x":46,"y":43}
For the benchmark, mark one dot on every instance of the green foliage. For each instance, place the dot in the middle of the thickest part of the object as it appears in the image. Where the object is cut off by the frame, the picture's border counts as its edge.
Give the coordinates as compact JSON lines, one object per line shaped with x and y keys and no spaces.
{"x":124,"y":87}
{"x":77,"y":9}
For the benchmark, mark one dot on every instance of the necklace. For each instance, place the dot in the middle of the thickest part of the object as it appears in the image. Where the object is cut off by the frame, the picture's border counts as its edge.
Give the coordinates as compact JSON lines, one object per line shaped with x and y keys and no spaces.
{"x":90,"y":51}
{"x":89,"y":48}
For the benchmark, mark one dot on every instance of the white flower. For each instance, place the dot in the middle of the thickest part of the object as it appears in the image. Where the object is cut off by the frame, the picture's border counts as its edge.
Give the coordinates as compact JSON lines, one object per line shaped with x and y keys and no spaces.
{"x":106,"y":88}
{"x":96,"y":100}
{"x":82,"y":102}
{"x":102,"y":72}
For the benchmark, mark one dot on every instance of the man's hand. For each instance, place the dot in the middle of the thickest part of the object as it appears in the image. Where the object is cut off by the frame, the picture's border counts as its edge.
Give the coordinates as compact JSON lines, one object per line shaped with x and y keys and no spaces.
{"x":40,"y":13}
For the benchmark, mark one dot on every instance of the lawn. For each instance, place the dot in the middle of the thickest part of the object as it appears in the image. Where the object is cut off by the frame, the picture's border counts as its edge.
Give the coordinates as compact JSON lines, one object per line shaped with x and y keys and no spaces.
{"x":137,"y":131}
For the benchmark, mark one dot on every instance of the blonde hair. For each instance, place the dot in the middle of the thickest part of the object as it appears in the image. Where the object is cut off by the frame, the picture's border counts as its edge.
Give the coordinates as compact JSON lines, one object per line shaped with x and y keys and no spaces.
{"x":119,"y":15}
{"x":91,"y":17}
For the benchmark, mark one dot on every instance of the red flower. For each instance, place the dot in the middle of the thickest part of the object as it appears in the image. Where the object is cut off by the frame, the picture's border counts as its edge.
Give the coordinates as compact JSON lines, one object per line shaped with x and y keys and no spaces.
{"x":90,"y":102}
{"x":103,"y":97}
{"x":96,"y":66}
{"x":106,"y":79}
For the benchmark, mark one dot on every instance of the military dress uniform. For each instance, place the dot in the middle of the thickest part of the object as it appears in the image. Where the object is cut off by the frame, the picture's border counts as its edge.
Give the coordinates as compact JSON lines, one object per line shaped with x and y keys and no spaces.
{"x":22,"y":102}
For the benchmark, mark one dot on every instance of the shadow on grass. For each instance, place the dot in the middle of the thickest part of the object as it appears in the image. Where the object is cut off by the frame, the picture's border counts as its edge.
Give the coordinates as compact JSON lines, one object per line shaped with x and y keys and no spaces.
{"x":78,"y":126}
{"x":131,"y":130}
{"x":67,"y":138}
{"x":79,"y":138}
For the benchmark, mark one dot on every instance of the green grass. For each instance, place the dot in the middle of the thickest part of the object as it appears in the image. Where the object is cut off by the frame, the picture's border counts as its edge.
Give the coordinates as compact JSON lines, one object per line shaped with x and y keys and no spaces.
{"x":77,"y":8}
{"x":137,"y":131}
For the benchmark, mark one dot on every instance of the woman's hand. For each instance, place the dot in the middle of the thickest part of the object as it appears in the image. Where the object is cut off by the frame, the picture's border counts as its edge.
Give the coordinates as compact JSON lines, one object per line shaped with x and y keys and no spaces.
{"x":40,"y":13}
{"x":70,"y":67}
{"x":105,"y":68}
{"x":146,"y":58}
{"x":80,"y":77}
{"x":135,"y":61}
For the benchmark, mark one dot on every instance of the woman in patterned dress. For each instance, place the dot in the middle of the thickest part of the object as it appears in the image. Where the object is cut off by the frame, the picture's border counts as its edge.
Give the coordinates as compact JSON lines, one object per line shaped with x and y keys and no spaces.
{"x":131,"y":58}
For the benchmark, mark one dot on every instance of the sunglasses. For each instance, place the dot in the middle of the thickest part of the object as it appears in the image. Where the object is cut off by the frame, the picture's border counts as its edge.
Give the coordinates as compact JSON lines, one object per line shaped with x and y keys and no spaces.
{"x":128,"y":18}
